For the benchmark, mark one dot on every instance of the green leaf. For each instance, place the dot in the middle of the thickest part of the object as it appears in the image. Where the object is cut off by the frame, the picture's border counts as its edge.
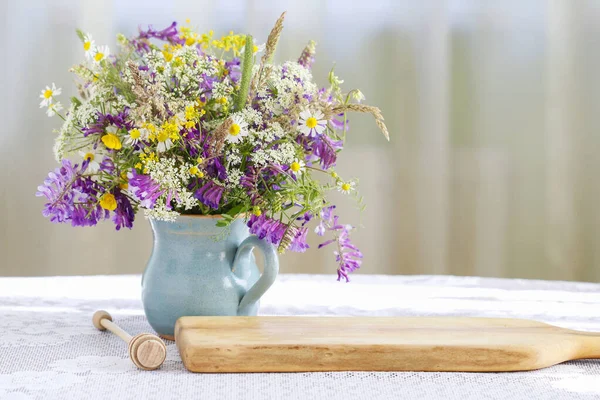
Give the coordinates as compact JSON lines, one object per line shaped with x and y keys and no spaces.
{"x":80,"y":34}
{"x":247,"y":65}
{"x":75,"y":101}
{"x":222,"y":223}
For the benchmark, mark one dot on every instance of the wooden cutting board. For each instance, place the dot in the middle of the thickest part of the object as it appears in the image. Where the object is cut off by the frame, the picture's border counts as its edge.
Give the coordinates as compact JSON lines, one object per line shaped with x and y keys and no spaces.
{"x":294,"y":344}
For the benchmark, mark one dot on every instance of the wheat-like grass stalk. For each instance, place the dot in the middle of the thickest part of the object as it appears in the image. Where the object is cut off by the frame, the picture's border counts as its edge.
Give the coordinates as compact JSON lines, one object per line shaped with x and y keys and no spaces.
{"x":270,"y":47}
{"x":374,"y":111}
{"x":219,"y":135}
{"x":147,"y":97}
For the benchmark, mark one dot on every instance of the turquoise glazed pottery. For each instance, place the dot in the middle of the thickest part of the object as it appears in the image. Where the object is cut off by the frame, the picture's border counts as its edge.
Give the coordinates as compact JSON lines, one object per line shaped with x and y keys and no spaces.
{"x":191,"y":273}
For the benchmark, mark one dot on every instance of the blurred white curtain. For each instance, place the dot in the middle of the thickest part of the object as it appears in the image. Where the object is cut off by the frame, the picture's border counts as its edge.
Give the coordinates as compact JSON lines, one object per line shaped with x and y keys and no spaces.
{"x":491,"y":106}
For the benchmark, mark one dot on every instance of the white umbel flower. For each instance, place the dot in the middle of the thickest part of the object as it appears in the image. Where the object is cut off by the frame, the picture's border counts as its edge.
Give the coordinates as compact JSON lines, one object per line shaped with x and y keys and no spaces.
{"x":311,"y":123}
{"x":237,"y":130}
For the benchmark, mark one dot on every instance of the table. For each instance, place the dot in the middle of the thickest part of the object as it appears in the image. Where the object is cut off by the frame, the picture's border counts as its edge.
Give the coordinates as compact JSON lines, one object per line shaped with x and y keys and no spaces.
{"x":49,"y":349}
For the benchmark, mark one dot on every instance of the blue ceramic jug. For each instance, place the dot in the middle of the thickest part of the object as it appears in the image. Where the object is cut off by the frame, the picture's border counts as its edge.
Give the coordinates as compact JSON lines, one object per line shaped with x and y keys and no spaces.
{"x":192,"y":273}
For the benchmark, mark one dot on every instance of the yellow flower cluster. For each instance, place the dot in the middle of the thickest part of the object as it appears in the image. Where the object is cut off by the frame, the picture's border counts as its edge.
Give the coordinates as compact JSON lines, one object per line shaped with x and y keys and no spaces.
{"x":195,"y":170}
{"x":192,"y":115}
{"x":168,"y":130}
{"x":231,"y":42}
{"x":146,"y":157}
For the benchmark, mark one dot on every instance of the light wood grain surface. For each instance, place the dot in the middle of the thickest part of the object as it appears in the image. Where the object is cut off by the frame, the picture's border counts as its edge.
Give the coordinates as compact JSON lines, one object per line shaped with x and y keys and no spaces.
{"x":287,"y":344}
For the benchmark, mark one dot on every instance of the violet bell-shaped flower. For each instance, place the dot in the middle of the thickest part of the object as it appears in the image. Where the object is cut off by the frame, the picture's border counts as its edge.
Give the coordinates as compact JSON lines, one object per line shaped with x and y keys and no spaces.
{"x":210,"y":194}
{"x":348,"y":256}
{"x":307,"y":58}
{"x":169,"y":34}
{"x":144,"y":189}
{"x":71,"y":196}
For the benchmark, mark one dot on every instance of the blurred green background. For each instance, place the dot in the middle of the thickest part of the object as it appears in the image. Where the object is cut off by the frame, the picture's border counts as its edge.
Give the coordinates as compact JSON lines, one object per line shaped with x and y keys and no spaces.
{"x":492,"y":107}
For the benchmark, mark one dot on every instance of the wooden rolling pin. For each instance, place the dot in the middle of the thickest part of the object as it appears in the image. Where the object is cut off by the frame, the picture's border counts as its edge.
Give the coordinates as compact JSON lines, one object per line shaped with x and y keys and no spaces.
{"x":147,"y":351}
{"x":294,"y":344}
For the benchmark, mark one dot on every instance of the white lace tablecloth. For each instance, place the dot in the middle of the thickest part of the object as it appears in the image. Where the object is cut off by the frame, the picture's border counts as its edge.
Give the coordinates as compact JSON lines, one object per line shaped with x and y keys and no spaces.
{"x":49,"y":349}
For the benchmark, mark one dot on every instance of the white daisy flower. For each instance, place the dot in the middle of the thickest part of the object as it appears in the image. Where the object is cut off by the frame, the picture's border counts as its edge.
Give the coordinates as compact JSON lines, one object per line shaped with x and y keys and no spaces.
{"x":345,"y":187}
{"x":311,"y":123}
{"x":297,"y":167}
{"x":237,"y":130}
{"x":92,"y":156}
{"x":89,"y":46}
{"x":164,"y":142}
{"x":101,"y":53}
{"x":53,"y":108}
{"x":48,"y":95}
{"x":135,"y":135}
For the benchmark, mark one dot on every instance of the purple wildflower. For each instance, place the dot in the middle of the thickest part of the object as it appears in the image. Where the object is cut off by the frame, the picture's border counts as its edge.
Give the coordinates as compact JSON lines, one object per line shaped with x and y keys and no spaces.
{"x":145,"y":189}
{"x":325,"y":150}
{"x":299,"y":241}
{"x":267,"y":228}
{"x":233,"y":70}
{"x":206,"y":84}
{"x":250,"y":182}
{"x":306,"y":218}
{"x":107,"y":165}
{"x":348,"y":256}
{"x":339,"y":125}
{"x":104,"y":120}
{"x":71,"y":196}
{"x":124,"y":213}
{"x":169,"y":34}
{"x":210,"y":194}
{"x":215,"y":169}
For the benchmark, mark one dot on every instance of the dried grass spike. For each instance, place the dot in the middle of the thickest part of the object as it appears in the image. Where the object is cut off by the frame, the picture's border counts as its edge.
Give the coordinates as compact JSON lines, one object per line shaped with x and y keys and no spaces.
{"x":270,"y":47}
{"x":219,"y":136}
{"x":374,"y":111}
{"x":272,"y":40}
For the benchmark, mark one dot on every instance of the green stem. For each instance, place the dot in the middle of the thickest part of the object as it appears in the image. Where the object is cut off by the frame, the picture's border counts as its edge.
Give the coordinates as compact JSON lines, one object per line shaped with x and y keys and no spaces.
{"x":240,"y":101}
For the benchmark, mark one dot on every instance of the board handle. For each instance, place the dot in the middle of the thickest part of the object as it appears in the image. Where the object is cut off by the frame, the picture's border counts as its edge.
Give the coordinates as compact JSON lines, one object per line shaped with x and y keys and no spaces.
{"x":268,"y":276}
{"x":590,"y":344}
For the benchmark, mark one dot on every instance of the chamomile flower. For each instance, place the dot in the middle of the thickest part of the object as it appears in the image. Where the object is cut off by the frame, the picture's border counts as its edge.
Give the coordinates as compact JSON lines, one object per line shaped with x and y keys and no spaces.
{"x":311,"y":123}
{"x":89,"y":46}
{"x":237,"y":130}
{"x":297,"y":167}
{"x":53,"y":108}
{"x":48,"y":95}
{"x":92,"y":157}
{"x":135,"y":135}
{"x":345,"y":187}
{"x":164,"y":141}
{"x":101,"y":53}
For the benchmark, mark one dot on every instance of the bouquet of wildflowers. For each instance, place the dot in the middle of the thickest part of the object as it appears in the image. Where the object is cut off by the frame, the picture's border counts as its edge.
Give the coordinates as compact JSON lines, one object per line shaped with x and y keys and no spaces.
{"x":178,"y":122}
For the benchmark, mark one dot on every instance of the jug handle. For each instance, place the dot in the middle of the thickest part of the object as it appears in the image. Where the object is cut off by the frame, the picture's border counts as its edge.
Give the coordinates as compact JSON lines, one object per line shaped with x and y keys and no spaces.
{"x":268,"y":276}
